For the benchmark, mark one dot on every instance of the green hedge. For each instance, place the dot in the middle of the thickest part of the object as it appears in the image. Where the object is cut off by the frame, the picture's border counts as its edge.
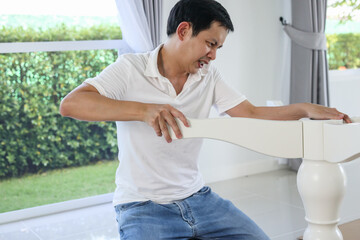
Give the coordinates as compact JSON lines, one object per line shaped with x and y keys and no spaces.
{"x":33,"y":135}
{"x":343,"y":50}
{"x":61,"y":32}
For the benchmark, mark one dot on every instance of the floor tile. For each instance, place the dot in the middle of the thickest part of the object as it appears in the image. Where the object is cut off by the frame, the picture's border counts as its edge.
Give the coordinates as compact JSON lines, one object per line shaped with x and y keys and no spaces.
{"x":16,"y":231}
{"x":255,"y":205}
{"x":290,"y":236}
{"x":73,"y":222}
{"x":285,"y":219}
{"x":287,"y":195}
{"x":11,"y":226}
{"x":109,"y":233}
{"x":258,"y":183}
{"x":229,"y":190}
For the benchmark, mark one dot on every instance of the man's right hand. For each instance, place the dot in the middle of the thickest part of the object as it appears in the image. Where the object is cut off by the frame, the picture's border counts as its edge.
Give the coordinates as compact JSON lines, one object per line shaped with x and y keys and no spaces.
{"x":159,"y":115}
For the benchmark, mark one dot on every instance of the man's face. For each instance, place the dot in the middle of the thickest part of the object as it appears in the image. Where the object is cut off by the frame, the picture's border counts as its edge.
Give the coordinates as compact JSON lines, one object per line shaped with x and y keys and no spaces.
{"x":201,"y":49}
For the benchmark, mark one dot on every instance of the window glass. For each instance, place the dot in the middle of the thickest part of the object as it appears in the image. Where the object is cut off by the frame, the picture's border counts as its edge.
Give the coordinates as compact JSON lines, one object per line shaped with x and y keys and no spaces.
{"x":35,"y":139}
{"x":343,"y":36}
{"x":343,"y":42}
{"x":44,"y":157}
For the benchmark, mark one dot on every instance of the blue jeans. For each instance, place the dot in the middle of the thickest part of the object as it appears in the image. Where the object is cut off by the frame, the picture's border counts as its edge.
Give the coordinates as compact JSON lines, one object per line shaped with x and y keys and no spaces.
{"x":204,"y":215}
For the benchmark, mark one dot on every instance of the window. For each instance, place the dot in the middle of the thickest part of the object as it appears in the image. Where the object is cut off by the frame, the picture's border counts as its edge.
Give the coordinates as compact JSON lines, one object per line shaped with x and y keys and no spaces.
{"x":46,"y":49}
{"x":343,"y":38}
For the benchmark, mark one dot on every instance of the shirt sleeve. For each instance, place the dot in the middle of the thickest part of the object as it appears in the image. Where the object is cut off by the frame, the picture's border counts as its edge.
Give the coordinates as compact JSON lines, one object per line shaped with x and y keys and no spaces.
{"x":226,"y":97}
{"x":112,"y":82}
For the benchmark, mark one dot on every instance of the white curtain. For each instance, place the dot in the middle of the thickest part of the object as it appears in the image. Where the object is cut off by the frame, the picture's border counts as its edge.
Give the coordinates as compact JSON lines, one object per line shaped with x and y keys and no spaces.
{"x":135,"y":25}
{"x":153,"y":13}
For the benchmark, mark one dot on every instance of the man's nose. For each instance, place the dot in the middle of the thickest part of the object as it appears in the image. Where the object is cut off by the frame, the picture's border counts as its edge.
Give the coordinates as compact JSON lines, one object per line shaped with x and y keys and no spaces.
{"x":212,"y":54}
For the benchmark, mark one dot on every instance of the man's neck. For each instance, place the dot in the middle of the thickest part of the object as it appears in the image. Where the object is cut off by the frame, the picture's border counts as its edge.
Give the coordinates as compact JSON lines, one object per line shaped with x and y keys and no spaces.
{"x":168,"y":64}
{"x":170,"y":68}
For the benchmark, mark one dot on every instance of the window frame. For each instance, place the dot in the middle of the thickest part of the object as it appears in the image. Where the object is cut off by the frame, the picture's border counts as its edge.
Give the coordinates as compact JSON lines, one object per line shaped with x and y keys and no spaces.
{"x":61,"y":46}
{"x":54,"y":208}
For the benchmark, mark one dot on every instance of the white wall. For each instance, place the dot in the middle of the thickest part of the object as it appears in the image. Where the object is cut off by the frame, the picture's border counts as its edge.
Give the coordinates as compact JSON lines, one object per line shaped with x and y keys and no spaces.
{"x":255,"y":60}
{"x":344,"y":88}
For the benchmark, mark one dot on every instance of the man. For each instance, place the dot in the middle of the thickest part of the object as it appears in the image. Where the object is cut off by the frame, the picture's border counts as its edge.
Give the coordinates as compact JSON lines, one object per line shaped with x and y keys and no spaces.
{"x":160,"y":193}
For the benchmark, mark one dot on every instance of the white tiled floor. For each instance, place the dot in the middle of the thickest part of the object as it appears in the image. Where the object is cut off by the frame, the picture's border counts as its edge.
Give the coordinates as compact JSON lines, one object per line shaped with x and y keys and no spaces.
{"x":270,"y":199}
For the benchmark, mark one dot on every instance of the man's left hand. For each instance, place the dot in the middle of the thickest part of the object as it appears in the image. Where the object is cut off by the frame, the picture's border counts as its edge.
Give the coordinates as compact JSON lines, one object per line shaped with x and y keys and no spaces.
{"x":319,"y":112}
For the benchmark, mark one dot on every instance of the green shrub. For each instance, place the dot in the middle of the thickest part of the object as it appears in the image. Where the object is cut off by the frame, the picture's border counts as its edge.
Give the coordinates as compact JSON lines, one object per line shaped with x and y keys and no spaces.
{"x":33,"y":135}
{"x":343,"y":50}
{"x":61,"y":32}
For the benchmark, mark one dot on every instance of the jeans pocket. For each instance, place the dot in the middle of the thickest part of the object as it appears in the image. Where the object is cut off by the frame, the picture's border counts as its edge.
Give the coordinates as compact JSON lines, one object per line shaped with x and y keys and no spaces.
{"x":203,"y":191}
{"x":130,"y":205}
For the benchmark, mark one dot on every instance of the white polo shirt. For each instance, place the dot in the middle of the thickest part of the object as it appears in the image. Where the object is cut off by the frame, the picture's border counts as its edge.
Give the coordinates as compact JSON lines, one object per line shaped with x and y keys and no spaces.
{"x":150,"y":168}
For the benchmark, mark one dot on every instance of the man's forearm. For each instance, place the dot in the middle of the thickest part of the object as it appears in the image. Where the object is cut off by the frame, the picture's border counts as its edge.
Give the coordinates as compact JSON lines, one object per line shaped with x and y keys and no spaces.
{"x":289,"y":112}
{"x":298,"y":111}
{"x":91,"y":106}
{"x":85,"y":103}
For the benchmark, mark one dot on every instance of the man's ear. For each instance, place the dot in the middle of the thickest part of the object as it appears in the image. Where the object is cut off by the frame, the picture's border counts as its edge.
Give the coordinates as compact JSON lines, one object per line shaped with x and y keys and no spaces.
{"x":184,"y":30}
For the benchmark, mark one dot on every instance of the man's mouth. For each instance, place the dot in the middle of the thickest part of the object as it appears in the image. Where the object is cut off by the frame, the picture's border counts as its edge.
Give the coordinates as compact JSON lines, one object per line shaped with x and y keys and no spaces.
{"x":201,"y":63}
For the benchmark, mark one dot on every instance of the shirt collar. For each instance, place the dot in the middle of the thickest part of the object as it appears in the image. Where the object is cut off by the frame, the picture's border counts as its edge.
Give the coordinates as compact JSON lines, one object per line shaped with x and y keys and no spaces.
{"x":152,"y":69}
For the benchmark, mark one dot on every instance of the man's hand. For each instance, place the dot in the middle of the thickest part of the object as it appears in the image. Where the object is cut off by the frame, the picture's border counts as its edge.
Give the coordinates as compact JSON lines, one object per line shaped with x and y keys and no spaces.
{"x":319,"y":112}
{"x":158,"y":116}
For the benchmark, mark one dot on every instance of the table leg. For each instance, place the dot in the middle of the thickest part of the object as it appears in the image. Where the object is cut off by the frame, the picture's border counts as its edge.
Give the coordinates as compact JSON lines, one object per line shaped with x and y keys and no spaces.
{"x":321,"y":185}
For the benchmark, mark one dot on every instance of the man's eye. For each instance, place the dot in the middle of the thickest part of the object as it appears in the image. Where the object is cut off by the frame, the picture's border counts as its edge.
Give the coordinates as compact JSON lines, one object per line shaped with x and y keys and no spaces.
{"x":210,"y":44}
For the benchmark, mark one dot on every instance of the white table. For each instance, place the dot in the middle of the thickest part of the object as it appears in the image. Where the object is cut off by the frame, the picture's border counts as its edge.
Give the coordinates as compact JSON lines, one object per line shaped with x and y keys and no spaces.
{"x":323,"y":145}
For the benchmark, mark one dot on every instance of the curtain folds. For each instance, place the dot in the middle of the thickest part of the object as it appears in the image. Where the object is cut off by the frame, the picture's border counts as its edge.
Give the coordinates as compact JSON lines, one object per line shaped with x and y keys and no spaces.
{"x":153,"y":13}
{"x":309,"y":40}
{"x":140,"y":23}
{"x":309,"y":67}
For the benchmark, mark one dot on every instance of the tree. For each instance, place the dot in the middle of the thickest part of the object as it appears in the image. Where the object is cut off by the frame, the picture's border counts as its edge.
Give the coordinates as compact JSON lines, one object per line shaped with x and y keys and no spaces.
{"x":350,"y":10}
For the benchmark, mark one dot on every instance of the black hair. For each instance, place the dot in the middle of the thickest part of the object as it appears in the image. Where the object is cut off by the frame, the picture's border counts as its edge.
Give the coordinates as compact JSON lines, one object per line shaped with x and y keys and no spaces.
{"x":200,"y":14}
